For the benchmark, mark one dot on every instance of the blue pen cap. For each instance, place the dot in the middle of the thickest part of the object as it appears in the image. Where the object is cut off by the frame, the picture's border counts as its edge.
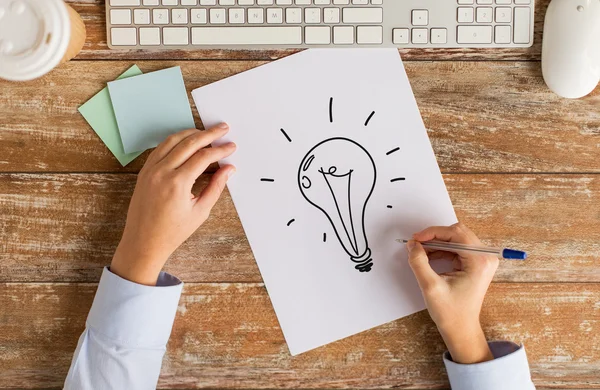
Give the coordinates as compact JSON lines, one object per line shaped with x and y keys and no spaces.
{"x":513,"y":254}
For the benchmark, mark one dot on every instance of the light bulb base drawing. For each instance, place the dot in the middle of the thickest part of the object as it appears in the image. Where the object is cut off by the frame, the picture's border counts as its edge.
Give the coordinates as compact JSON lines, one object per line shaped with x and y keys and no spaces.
{"x":338,"y":176}
{"x":365,"y":262}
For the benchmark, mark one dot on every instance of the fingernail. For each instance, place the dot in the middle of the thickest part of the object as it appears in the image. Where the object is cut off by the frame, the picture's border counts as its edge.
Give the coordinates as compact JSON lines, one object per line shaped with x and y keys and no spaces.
{"x":410,"y":245}
{"x":223,"y":125}
{"x":231,"y":172}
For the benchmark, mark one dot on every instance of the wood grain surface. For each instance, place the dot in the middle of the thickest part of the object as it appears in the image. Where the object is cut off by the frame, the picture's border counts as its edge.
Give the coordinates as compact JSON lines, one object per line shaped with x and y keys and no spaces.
{"x":226,"y":335}
{"x":520,"y":164}
{"x":481,"y":117}
{"x":93,"y":14}
{"x":65,"y":227}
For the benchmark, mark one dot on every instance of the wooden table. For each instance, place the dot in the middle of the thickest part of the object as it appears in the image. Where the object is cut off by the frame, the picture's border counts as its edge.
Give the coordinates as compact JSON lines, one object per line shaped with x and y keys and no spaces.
{"x":521,"y":166}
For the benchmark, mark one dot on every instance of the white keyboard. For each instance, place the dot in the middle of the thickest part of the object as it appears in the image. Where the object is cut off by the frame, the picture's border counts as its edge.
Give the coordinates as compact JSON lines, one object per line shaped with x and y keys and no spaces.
{"x":255,"y":24}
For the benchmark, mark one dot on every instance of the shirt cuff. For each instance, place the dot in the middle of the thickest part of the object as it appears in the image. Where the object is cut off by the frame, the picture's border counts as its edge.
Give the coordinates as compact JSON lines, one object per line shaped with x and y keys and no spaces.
{"x":132,"y":314}
{"x":508,"y":370}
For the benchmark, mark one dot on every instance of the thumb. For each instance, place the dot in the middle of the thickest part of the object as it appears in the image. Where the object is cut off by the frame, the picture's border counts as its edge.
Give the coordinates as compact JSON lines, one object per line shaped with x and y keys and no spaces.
{"x":419,"y":263}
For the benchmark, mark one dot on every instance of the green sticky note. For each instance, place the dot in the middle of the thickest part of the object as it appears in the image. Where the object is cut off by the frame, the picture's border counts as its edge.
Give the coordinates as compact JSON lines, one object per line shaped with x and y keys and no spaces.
{"x":150,"y":107}
{"x":99,"y":113}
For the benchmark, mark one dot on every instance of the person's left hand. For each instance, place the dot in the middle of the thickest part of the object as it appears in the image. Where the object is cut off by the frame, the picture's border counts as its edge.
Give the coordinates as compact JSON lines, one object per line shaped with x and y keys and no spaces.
{"x":163,"y":213}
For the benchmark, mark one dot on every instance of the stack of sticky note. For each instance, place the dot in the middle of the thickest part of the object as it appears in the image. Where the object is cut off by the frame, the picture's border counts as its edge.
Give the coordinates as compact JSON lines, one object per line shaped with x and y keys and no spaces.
{"x":138,"y":111}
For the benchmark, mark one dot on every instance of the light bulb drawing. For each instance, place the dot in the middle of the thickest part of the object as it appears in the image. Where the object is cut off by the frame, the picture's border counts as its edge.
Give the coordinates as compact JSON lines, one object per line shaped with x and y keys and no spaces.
{"x":338,"y":176}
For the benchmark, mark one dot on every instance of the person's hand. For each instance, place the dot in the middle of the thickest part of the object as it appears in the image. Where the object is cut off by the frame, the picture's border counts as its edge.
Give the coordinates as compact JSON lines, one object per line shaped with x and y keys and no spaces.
{"x":454,"y":299}
{"x":163,"y":212}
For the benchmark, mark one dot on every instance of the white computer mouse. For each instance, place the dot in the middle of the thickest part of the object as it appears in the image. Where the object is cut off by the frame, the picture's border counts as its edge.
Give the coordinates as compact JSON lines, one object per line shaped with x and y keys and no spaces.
{"x":571,"y":47}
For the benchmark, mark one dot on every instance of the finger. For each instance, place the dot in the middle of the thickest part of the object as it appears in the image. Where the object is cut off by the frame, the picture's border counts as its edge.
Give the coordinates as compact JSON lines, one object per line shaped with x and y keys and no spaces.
{"x":168,"y":144}
{"x":210,"y":195}
{"x":419,"y":263}
{"x":192,"y":144}
{"x":197,"y":164}
{"x":457,"y":233}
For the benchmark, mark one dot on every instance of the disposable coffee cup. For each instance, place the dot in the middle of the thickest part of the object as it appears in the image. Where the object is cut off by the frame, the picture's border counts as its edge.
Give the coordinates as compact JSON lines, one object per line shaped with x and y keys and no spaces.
{"x":36,"y":36}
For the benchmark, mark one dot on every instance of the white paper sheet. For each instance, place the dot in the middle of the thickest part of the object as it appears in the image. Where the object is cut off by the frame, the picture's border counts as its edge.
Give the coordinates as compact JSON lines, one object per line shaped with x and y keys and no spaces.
{"x":277,"y":114}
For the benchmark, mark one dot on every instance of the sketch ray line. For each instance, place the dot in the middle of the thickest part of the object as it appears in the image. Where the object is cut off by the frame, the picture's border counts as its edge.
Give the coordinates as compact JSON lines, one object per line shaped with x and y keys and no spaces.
{"x":291,"y":221}
{"x":392,"y":151}
{"x":369,"y":118}
{"x":324,"y":237}
{"x":267,"y":179}
{"x":331,"y":110}
{"x":389,"y":206}
{"x":398,"y":179}
{"x":286,"y":135}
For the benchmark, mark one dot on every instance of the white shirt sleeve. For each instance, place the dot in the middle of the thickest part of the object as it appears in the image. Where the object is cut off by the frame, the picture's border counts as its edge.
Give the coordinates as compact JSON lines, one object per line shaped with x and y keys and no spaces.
{"x":508,"y":370}
{"x":126,"y":334}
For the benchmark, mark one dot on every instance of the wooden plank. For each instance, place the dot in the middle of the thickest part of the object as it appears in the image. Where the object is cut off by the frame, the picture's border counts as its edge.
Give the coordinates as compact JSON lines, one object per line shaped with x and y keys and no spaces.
{"x":93,"y":14}
{"x":227,"y":336}
{"x":59,"y":227}
{"x":482,"y":117}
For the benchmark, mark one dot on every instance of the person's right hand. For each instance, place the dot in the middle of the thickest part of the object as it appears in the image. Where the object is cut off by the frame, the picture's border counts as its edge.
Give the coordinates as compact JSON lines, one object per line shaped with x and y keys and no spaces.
{"x":454,"y":299}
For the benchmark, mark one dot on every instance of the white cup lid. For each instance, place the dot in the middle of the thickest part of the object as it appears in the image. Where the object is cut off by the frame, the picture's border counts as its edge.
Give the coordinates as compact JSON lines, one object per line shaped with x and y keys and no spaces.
{"x":34,"y":36}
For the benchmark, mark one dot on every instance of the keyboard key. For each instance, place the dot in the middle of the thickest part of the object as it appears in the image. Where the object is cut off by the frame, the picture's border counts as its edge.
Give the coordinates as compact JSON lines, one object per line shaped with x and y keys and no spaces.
{"x":474,"y":34}
{"x":522,"y":2}
{"x":322,"y":2}
{"x":141,"y":16}
{"x":275,"y":15}
{"x":504,"y":2}
{"x":439,"y":36}
{"x":293,"y":15}
{"x":123,"y":36}
{"x":484,"y":15}
{"x":303,"y":2}
{"x":149,"y":3}
{"x":179,"y":16}
{"x":312,"y":15}
{"x":420,"y":17}
{"x":362,"y":15}
{"x":400,"y":36}
{"x":343,"y":35}
{"x":120,"y":16}
{"x":283,"y":2}
{"x":360,"y":2}
{"x":502,"y":34}
{"x":217,"y":15}
{"x":199,"y":16}
{"x":419,"y":35}
{"x":256,"y":15}
{"x":485,"y":2}
{"x":226,"y":2}
{"x":331,"y":15}
{"x":176,"y":36}
{"x":341,"y":2}
{"x":521,"y":27}
{"x":317,"y":35}
{"x":247,"y":35}
{"x":169,"y":2}
{"x":189,"y":2}
{"x":208,"y":2}
{"x":503,"y":15}
{"x":245,"y":2}
{"x":264,"y":2}
{"x":149,"y":36}
{"x":160,"y":16}
{"x":466,"y":2}
{"x":369,"y":35}
{"x":236,"y":15}
{"x":466,"y":15}
{"x":124,"y":3}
